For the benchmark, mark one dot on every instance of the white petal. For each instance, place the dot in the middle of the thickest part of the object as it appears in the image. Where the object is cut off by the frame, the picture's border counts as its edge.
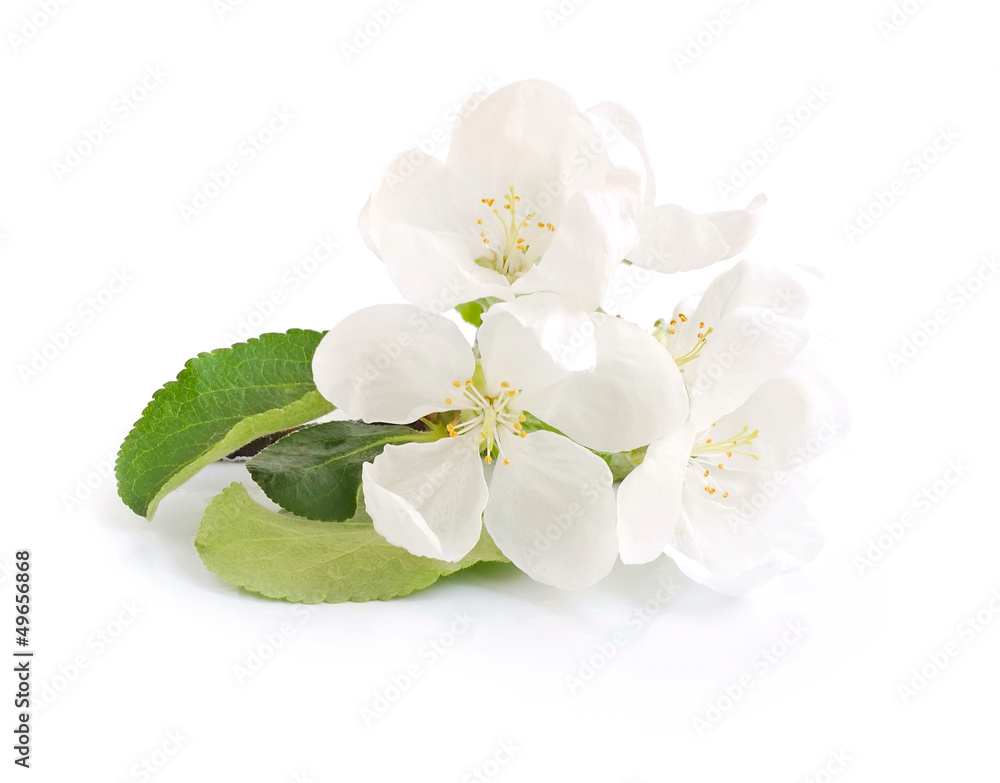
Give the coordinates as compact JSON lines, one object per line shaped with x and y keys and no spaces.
{"x":633,"y":396}
{"x":529,"y":136}
{"x":799,"y":415}
{"x":754,"y":313}
{"x":733,"y":550}
{"x":435,"y":270}
{"x":552,"y":510}
{"x":713,"y":546}
{"x":746,"y":348}
{"x":421,"y":221}
{"x":631,"y":132}
{"x":738,"y":226}
{"x":649,"y":498}
{"x":674,"y":239}
{"x":364,"y":228}
{"x":421,"y":191}
{"x":532,"y":341}
{"x":594,"y":234}
{"x":428,"y":498}
{"x":753,"y":285}
{"x":392,"y":363}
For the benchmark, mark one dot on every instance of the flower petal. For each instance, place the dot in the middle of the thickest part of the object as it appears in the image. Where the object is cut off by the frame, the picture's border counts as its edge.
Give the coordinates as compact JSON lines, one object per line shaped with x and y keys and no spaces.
{"x":529,"y":136}
{"x":798,"y":415}
{"x":595,"y":233}
{"x":754,"y":313}
{"x":630,"y":132}
{"x":552,"y":510}
{"x":428,"y":498}
{"x":421,"y":221}
{"x":633,"y":396}
{"x":435,"y":270}
{"x":392,"y":363}
{"x":422,"y":191}
{"x":734,"y":551}
{"x":746,"y":348}
{"x":674,"y":239}
{"x":753,"y":285}
{"x":738,"y":226}
{"x":649,"y":498}
{"x":532,"y":341}
{"x":713,"y":546}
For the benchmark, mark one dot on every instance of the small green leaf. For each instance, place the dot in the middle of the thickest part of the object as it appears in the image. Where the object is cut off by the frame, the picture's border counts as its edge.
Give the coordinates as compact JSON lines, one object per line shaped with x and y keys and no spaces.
{"x":316,"y":472}
{"x":220,"y":402}
{"x":623,"y":462}
{"x":472,"y":312}
{"x":302,"y":560}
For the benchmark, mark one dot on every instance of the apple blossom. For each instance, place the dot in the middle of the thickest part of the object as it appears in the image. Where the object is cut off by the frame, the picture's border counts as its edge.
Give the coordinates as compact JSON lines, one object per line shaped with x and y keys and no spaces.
{"x":544,"y":497}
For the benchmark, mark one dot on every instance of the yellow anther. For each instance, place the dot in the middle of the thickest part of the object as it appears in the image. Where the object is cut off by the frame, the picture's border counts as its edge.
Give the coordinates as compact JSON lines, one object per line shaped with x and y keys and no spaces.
{"x":521,"y":418}
{"x":504,"y":385}
{"x":489,"y":460}
{"x":506,"y":461}
{"x":447,"y":400}
{"x":524,"y":434}
{"x":682,"y":317}
{"x":517,"y":426}
{"x":725,"y":494}
{"x":720,"y":466}
{"x":457,"y":384}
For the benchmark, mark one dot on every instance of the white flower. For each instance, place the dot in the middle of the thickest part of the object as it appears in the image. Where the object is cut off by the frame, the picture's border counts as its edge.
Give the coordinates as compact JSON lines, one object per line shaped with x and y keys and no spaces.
{"x":744,"y":329}
{"x":748,"y":414}
{"x":671,"y":238}
{"x":728,"y":497}
{"x":549,"y":504}
{"x":528,"y":200}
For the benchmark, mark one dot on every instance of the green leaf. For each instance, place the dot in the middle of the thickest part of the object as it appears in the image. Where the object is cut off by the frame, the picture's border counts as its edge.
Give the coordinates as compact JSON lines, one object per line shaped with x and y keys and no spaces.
{"x":472,"y":312}
{"x":316,"y":472}
{"x":280,"y":555}
{"x":219,"y":402}
{"x":623,"y":462}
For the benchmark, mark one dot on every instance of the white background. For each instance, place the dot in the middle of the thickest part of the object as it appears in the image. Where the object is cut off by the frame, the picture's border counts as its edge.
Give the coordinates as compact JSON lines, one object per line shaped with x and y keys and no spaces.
{"x":299,"y":717}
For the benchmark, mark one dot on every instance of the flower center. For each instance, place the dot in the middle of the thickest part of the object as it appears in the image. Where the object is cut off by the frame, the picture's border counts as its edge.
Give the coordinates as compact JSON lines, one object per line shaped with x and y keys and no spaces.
{"x":711,"y":455}
{"x":508,"y":235}
{"x":486,"y":416}
{"x":666,"y":334}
